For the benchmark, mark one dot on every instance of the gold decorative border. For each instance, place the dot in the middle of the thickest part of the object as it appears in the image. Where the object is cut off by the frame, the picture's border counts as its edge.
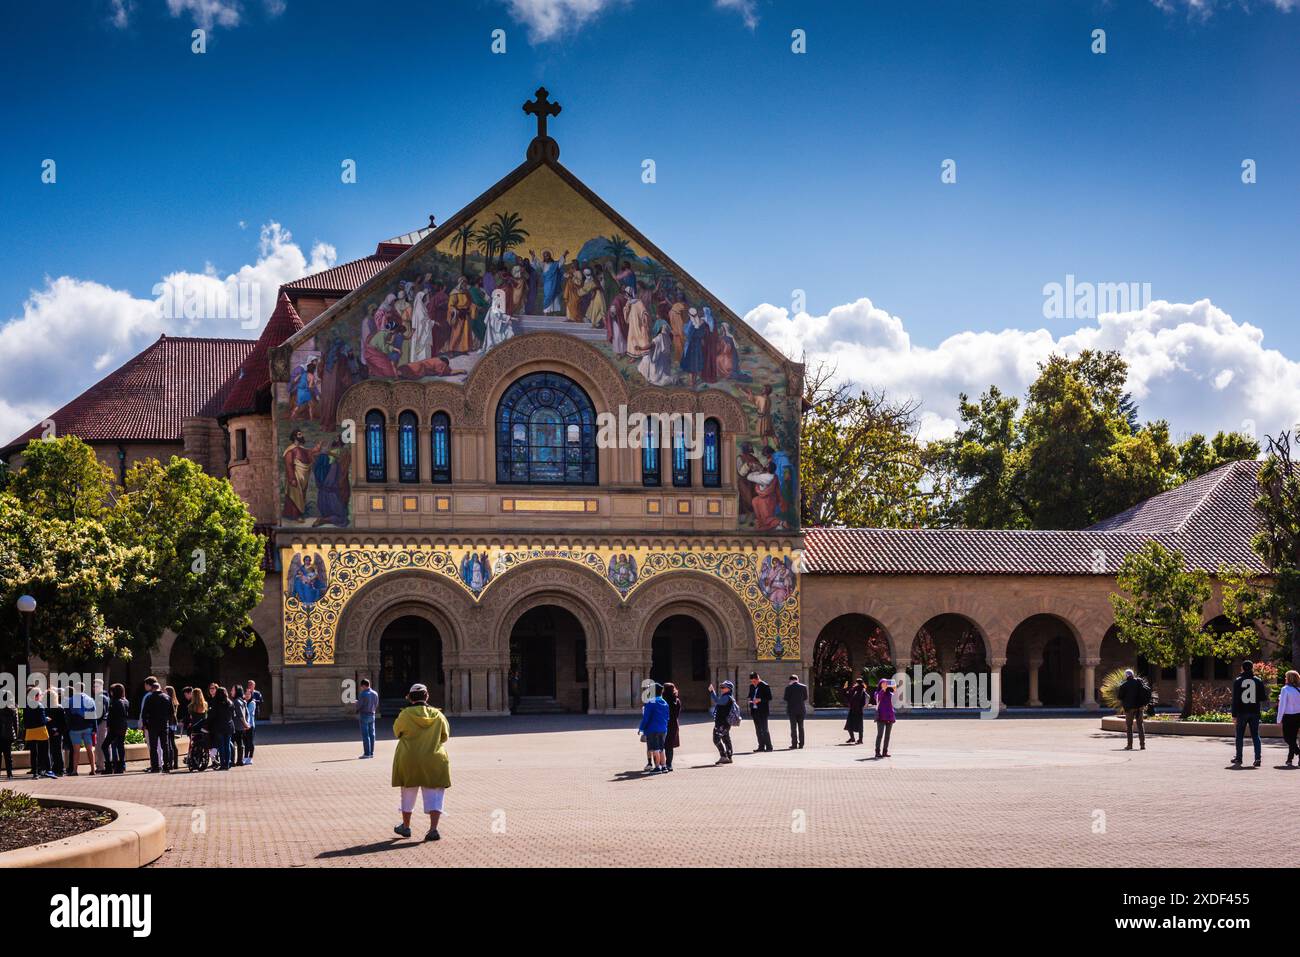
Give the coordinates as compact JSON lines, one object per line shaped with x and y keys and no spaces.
{"x":310,"y":630}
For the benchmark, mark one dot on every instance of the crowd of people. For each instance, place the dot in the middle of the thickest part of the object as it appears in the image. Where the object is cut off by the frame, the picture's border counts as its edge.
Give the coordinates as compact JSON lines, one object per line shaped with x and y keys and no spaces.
{"x":60,"y":724}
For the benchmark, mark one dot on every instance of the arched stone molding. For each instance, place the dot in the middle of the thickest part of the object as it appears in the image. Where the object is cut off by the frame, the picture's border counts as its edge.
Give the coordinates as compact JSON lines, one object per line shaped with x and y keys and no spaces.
{"x":541,"y":352}
{"x":826,"y":609}
{"x":1087,"y":621}
{"x":392,"y":396}
{"x":709,"y":403}
{"x":382,"y":601}
{"x":993,"y":633}
{"x":716,"y":607}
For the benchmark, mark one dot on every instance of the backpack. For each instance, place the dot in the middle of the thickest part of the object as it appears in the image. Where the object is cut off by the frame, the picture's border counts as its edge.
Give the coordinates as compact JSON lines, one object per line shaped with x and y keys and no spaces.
{"x":733,"y":716}
{"x":1145,"y":699}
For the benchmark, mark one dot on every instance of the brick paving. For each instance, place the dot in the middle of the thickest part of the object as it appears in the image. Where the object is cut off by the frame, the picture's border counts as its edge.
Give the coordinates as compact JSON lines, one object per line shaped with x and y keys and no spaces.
{"x":566,"y":790}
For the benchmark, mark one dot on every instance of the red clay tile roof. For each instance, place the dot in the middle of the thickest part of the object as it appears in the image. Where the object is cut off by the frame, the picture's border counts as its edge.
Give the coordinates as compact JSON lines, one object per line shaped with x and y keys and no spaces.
{"x":1209,"y":519}
{"x":254,"y":373}
{"x":345,"y":277}
{"x":146,"y":399}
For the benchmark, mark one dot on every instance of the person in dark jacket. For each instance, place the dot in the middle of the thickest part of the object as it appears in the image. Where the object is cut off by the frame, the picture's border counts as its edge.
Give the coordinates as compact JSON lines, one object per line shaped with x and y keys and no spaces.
{"x":723,"y":704}
{"x":1248,"y":693}
{"x":796,"y":706}
{"x":856,"y":699}
{"x":115,"y":719}
{"x":653,"y":730}
{"x":156,"y":717}
{"x":36,"y":734}
{"x":56,"y":720}
{"x":1134,"y":695}
{"x":760,"y":702}
{"x":673,"y":739}
{"x":8,"y":735}
{"x":221,"y":726}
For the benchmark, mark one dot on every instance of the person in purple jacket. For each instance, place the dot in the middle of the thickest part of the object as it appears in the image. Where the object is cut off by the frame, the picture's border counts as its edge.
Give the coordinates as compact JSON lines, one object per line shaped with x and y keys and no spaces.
{"x":883,"y":698}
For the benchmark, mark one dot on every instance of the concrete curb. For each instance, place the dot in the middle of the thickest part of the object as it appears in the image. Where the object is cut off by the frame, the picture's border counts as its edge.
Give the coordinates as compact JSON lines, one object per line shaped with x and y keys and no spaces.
{"x":134,"y":752}
{"x":136,"y":836}
{"x":1203,"y":729}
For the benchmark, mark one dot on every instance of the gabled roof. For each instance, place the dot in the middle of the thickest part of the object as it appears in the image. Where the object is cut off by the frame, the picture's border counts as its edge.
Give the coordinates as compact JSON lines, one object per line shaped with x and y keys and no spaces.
{"x":1210,"y":519}
{"x":254,"y":373}
{"x":145,"y":400}
{"x":342,"y":279}
{"x":433,"y":237}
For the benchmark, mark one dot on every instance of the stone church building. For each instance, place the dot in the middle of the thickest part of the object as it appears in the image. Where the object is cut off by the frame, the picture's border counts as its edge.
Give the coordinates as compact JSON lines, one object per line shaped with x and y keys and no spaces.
{"x":524,"y":453}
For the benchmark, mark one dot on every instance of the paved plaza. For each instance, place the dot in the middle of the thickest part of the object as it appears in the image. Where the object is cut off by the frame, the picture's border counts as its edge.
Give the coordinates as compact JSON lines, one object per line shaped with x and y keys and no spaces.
{"x":567,"y":791}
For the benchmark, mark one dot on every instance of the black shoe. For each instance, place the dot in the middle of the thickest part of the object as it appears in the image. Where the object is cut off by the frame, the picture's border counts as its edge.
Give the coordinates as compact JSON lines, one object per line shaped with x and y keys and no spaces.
{"x":433,"y":835}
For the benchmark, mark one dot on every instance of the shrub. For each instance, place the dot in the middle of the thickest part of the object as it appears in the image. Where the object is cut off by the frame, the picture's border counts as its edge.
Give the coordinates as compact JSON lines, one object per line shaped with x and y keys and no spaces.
{"x":1207,"y":699}
{"x":134,"y":736}
{"x":14,"y":805}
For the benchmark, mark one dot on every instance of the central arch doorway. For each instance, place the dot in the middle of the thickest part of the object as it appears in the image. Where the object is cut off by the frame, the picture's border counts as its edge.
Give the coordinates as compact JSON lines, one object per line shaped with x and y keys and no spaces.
{"x":679,"y":652}
{"x":548,"y":663}
{"x":410,"y":652}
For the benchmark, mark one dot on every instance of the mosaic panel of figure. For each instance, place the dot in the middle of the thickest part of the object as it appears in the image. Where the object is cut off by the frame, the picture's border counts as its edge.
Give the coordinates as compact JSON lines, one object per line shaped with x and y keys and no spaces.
{"x":539,"y":258}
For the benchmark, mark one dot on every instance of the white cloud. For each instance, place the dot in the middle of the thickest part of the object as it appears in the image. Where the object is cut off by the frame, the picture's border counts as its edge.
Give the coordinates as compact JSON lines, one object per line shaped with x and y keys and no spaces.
{"x":205,"y":13}
{"x":1189,"y":363}
{"x":74,"y":331}
{"x":549,"y":19}
{"x":1202,"y":9}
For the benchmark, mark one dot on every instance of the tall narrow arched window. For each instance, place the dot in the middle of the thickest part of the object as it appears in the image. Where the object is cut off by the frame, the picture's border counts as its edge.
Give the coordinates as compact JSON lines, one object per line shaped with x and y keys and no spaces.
{"x":408,"y":447}
{"x":376,"y":455}
{"x":711,"y":459}
{"x":546,"y":432}
{"x":650,"y":474}
{"x":440,"y":446}
{"x":681,"y":464}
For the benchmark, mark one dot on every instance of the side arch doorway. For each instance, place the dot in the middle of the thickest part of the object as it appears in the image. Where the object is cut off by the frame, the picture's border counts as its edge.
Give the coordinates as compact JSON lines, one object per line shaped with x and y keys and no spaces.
{"x":548,"y":663}
{"x":410,"y":652}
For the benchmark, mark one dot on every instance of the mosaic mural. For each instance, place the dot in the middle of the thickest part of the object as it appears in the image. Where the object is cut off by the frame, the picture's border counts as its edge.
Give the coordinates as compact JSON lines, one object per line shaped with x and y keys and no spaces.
{"x":538,"y":258}
{"x":766,"y":583}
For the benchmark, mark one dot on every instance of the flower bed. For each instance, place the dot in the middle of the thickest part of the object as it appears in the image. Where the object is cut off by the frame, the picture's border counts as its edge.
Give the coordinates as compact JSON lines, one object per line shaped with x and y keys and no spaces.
{"x":25,"y":822}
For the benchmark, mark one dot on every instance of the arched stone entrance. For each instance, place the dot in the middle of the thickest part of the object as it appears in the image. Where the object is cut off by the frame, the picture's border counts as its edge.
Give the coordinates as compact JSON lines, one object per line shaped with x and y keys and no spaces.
{"x":1042,"y":668}
{"x":849,"y":647}
{"x":679,"y":652}
{"x":410,"y":651}
{"x":956,"y":647}
{"x":548,"y":662}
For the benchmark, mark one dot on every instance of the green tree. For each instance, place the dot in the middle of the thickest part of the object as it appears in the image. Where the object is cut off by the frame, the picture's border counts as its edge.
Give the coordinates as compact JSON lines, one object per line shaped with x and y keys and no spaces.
{"x":204,"y":557}
{"x":71,"y":567}
{"x":1278,"y":540}
{"x":980,"y":463}
{"x":1162,"y":610}
{"x":859,"y":460}
{"x":617,"y":249}
{"x":1198,"y":455}
{"x":507,"y":233}
{"x":62,"y":478}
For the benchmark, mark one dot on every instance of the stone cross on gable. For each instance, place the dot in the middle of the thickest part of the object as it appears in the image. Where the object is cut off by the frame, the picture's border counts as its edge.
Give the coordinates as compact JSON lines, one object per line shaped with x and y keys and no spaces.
{"x":541,"y":107}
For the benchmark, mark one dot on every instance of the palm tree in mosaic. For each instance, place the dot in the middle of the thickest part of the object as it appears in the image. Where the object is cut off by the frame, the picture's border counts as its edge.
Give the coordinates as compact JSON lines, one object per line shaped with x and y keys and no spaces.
{"x":508,"y":233}
{"x":462,"y":239}
{"x":485,"y":238}
{"x":617,"y":249}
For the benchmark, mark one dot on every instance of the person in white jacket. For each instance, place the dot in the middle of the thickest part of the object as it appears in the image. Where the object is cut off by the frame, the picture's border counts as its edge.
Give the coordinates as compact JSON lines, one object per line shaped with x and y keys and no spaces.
{"x":1288,"y":714}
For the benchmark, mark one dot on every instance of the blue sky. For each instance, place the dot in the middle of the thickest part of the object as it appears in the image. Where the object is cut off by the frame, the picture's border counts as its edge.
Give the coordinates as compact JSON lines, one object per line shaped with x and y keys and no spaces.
{"x":775,"y":171}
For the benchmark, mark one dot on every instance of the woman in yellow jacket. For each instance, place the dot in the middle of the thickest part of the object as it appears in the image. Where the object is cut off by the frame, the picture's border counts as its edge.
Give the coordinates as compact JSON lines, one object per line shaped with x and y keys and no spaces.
{"x":421,"y":762}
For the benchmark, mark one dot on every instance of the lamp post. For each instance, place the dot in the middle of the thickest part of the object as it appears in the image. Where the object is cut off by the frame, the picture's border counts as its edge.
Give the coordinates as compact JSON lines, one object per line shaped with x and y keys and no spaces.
{"x":26,"y":608}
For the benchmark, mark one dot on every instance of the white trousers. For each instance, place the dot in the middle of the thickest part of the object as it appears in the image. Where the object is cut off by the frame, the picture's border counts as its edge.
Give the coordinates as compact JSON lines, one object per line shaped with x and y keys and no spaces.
{"x":432,"y":799}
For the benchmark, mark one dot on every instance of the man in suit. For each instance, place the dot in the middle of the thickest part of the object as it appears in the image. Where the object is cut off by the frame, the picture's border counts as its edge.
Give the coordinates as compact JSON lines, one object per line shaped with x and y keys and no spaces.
{"x":796,"y":706}
{"x":1248,"y":693}
{"x":760,"y":700}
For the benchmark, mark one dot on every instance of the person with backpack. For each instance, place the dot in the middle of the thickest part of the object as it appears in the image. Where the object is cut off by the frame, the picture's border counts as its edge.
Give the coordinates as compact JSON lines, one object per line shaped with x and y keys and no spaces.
{"x":726,"y":715}
{"x":1248,"y":694}
{"x":80,"y":710}
{"x":653,"y":730}
{"x":1134,"y":695}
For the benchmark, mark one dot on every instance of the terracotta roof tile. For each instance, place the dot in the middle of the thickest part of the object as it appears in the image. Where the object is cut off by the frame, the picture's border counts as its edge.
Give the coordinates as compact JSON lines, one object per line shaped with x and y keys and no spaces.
{"x":254,"y":373}
{"x":1210,"y":519}
{"x":148,"y":397}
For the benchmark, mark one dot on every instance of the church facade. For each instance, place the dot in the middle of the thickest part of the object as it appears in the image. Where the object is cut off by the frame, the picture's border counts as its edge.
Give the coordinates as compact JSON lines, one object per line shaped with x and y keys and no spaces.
{"x":525,"y":458}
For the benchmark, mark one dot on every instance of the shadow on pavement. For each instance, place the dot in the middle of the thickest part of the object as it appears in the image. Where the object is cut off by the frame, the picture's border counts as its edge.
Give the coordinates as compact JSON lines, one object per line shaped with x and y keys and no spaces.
{"x":358,"y":850}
